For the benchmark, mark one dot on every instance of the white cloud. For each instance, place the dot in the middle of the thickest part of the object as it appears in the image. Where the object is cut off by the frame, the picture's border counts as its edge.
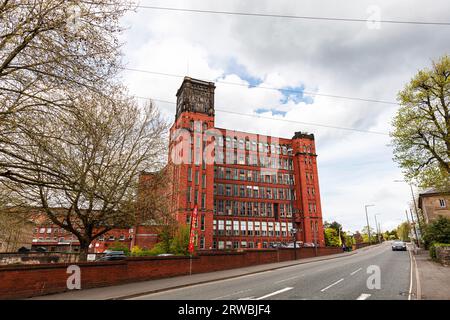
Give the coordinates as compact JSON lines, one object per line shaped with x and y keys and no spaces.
{"x":327,"y":57}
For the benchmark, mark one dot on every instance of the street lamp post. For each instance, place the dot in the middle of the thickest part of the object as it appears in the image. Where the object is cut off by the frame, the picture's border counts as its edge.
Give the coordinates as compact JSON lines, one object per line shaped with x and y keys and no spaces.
{"x":377,"y":227}
{"x":367,"y":218}
{"x":294,"y":231}
{"x":416,"y":211}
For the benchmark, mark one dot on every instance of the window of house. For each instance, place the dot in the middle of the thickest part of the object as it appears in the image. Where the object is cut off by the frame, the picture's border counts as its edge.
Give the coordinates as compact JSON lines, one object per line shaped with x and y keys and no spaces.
{"x":220,"y":207}
{"x":243,"y":228}
{"x":228,"y":173}
{"x":442,"y":203}
{"x":189,"y":174}
{"x":202,"y":242}
{"x":228,"y":142}
{"x":203,"y":200}
{"x":228,"y":227}
{"x":250,"y":228}
{"x":221,"y":226}
{"x":228,"y":207}
{"x":257,"y":228}
{"x":228,"y":190}
{"x":264,"y":228}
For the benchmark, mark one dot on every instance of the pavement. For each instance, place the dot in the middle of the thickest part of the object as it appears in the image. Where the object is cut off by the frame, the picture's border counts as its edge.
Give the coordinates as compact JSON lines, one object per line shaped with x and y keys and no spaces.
{"x":342,"y":276}
{"x":433,"y":278}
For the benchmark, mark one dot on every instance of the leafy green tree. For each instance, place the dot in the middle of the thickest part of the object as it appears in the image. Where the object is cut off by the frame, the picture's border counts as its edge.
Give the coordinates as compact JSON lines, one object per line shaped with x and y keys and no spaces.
{"x":403,"y":231}
{"x":335,"y":225}
{"x":438,"y":231}
{"x":180,"y":243}
{"x":421,"y":136}
{"x":365,"y":235}
{"x":331,"y":237}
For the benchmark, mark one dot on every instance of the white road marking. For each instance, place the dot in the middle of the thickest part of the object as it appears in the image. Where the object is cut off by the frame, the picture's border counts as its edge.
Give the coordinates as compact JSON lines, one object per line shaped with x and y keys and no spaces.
{"x":363,"y":296}
{"x":247,"y":298}
{"x":231,"y":294}
{"x":335,"y":283}
{"x":418,"y":288}
{"x":411,"y":274}
{"x":287,"y":279}
{"x":355,"y":271}
{"x":275,"y":293}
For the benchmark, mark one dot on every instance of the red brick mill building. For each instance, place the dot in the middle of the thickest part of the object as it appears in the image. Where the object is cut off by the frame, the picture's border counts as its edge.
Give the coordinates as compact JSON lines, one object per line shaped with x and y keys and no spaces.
{"x":251,"y":190}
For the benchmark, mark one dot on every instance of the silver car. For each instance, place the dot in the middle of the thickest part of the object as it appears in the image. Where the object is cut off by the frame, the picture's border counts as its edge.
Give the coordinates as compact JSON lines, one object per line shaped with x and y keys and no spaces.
{"x":399,"y":245}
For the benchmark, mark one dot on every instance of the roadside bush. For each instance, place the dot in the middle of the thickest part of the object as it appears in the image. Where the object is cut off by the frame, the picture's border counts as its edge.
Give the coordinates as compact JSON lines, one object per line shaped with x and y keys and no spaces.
{"x":136,"y":251}
{"x":159,"y":248}
{"x":437,"y":231}
{"x":118,"y":246}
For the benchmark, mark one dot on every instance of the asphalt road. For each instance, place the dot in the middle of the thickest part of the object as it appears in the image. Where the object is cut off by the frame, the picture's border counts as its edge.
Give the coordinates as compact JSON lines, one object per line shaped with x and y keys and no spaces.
{"x":349,"y":278}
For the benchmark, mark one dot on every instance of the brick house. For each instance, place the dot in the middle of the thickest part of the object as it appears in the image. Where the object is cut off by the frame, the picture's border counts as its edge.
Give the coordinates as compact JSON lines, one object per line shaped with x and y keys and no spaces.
{"x":434,"y":203}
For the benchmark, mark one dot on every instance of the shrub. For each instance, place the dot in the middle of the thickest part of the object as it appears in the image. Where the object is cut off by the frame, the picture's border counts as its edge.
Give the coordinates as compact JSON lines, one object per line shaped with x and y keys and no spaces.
{"x":437,"y":231}
{"x":159,"y":248}
{"x":118,"y":246}
{"x":180,"y":242}
{"x":136,"y":251}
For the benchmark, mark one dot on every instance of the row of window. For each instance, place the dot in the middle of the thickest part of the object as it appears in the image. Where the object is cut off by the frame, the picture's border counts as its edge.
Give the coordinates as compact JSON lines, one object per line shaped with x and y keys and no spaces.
{"x":230,"y":157}
{"x":245,"y":191}
{"x":253,"y":175}
{"x":196,"y":177}
{"x":49,"y":230}
{"x":252,"y":209}
{"x":247,"y":144}
{"x":189,"y":197}
{"x":101,"y":238}
{"x":240,"y":244}
{"x":251,"y":228}
{"x":251,"y":145}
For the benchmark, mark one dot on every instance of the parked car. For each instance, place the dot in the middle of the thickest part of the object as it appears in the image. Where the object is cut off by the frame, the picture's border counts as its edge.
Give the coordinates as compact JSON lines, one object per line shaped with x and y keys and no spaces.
{"x":291,"y":245}
{"x":399,"y":245}
{"x":113,"y":255}
{"x":309,"y":244}
{"x":165,"y":254}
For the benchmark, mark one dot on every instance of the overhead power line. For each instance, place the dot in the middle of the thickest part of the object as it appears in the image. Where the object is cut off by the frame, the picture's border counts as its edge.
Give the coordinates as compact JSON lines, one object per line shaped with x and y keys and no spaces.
{"x":268,"y":88}
{"x":277,"y":119}
{"x":268,"y":15}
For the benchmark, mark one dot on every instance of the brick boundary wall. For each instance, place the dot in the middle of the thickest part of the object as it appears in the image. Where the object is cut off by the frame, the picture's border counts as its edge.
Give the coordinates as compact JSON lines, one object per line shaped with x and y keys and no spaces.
{"x":25,"y":281}
{"x":443,"y":255}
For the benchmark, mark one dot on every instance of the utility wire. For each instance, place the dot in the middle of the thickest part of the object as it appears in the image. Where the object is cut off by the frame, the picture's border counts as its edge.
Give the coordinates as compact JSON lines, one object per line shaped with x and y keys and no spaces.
{"x":267,"y":88}
{"x":277,"y":119}
{"x":267,"y":15}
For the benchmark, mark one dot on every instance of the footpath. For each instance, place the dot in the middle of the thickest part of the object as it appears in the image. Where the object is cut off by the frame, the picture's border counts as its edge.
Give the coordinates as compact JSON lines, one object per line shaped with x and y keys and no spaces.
{"x":434,"y":278}
{"x":134,"y":289}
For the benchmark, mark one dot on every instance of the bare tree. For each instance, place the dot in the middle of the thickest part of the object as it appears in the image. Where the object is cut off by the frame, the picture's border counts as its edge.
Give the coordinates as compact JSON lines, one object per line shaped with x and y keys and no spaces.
{"x":51,"y":49}
{"x":16,"y":223}
{"x":156,"y":203}
{"x":87,"y":160}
